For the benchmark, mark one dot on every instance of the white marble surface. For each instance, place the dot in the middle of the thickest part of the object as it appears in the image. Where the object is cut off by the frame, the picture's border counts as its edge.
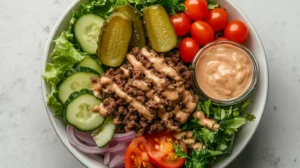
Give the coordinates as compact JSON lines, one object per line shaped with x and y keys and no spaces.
{"x":27,"y":138}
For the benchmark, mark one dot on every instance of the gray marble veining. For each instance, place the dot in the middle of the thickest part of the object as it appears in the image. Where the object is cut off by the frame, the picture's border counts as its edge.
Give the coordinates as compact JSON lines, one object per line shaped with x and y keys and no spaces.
{"x":27,"y":138}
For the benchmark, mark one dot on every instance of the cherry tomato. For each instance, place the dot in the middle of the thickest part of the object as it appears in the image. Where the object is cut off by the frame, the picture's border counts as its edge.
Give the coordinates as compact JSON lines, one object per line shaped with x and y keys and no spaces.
{"x":236,"y":31}
{"x":136,"y":155}
{"x":181,"y":23}
{"x":217,"y":19}
{"x":161,"y":152}
{"x":196,"y":9}
{"x":202,"y":32}
{"x":221,"y":38}
{"x":188,"y":48}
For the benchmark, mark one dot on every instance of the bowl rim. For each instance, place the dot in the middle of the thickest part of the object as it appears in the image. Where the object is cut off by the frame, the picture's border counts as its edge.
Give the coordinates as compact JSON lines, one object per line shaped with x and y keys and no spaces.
{"x":73,"y":151}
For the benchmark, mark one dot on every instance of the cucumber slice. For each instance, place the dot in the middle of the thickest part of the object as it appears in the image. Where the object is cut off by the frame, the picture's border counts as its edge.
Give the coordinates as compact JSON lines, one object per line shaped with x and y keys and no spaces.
{"x":91,"y":63}
{"x":75,"y":80}
{"x":78,"y":111}
{"x":87,"y":29}
{"x":104,"y":134}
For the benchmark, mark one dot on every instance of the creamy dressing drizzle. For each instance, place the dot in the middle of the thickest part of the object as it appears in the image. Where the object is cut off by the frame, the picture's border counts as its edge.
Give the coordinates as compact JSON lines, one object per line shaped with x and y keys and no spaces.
{"x":149,"y":74}
{"x":140,"y":85}
{"x":160,"y":65}
{"x":126,"y":71}
{"x":109,"y":84}
{"x":171,"y":95}
{"x":188,"y":101}
{"x":206,"y":122}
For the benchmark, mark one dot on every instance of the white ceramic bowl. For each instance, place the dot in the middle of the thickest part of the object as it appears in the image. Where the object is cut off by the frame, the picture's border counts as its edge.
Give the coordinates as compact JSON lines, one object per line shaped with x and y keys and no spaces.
{"x":244,"y":135}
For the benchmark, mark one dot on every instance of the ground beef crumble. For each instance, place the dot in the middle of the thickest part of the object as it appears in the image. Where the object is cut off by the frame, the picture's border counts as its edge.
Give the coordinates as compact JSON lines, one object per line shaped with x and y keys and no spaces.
{"x":126,"y":117}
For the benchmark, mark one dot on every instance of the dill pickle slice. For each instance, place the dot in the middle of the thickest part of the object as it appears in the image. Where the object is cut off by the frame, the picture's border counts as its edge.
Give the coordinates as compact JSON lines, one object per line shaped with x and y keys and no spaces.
{"x":138,"y":38}
{"x":159,"y":28}
{"x":114,"y":39}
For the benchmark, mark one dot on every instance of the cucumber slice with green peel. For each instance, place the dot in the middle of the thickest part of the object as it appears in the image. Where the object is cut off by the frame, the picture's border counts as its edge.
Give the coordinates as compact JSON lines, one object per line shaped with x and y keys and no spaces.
{"x":87,"y":29}
{"x":75,"y":80}
{"x":78,"y":111}
{"x":104,"y":134}
{"x":91,"y":63}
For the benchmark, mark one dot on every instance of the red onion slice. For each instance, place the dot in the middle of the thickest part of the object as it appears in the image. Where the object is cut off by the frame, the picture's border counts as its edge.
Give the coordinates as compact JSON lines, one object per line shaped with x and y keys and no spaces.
{"x":126,"y":137}
{"x":81,"y":146}
{"x":121,"y":166}
{"x":106,"y":158}
{"x":117,"y":160}
{"x":85,"y":137}
{"x":119,"y":147}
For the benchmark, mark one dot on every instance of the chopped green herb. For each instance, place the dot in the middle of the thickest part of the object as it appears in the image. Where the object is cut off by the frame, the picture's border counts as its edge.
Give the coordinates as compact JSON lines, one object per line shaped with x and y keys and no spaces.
{"x":179,"y":151}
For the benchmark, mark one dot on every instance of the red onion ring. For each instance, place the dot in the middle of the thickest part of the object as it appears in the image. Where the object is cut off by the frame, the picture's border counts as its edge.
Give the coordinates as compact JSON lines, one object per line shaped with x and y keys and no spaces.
{"x":119,"y":147}
{"x":106,"y":158}
{"x":125,"y":137}
{"x":117,"y":160}
{"x":81,"y":146}
{"x":113,"y":152}
{"x":85,"y":137}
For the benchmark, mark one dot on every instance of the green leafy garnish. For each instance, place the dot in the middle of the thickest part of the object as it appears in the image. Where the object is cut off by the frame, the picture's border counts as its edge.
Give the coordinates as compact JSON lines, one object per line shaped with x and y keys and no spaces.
{"x":249,"y":117}
{"x":218,"y":142}
{"x":212,"y":4}
{"x":201,"y":159}
{"x":179,"y":151}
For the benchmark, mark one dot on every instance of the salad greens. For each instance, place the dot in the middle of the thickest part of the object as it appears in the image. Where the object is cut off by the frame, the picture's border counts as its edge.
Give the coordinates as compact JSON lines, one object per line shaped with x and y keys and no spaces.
{"x":216,"y":143}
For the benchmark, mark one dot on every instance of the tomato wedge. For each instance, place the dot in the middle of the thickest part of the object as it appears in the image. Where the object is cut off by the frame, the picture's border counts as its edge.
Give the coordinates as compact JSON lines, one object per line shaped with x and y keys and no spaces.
{"x":161,"y":152}
{"x":136,"y":155}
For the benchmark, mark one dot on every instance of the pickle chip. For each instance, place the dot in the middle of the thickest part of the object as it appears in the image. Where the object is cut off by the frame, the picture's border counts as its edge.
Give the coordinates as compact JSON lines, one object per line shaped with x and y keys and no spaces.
{"x":159,"y":28}
{"x":114,"y":39}
{"x":138,"y":38}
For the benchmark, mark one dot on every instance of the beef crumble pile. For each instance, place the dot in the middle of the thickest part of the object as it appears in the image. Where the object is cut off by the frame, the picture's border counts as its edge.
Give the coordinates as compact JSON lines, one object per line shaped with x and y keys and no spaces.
{"x":149,"y":92}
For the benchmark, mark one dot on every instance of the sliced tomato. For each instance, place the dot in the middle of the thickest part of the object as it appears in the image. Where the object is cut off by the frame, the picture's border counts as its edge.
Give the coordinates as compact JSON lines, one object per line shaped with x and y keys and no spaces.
{"x":161,"y":152}
{"x":136,"y":155}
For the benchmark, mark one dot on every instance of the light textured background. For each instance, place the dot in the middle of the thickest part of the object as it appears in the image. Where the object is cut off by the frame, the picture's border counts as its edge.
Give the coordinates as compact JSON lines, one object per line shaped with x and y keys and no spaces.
{"x":27,"y":138}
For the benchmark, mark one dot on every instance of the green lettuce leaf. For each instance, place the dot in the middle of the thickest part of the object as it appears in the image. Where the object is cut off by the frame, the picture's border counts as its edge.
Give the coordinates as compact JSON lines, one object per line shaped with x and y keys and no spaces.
{"x":249,"y":117}
{"x":64,"y":56}
{"x":54,"y":103}
{"x":234,"y":123}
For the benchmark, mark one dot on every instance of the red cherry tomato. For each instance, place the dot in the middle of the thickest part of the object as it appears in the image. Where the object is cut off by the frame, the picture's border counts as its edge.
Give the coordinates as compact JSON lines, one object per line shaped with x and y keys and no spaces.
{"x":217,"y":19}
{"x":236,"y":31}
{"x":221,"y":38}
{"x":196,"y":9}
{"x":188,"y":48}
{"x":202,"y":32}
{"x":161,"y":152}
{"x":181,"y":23}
